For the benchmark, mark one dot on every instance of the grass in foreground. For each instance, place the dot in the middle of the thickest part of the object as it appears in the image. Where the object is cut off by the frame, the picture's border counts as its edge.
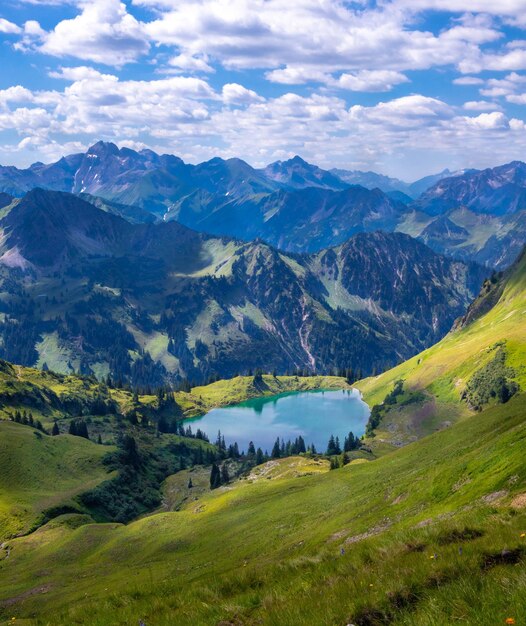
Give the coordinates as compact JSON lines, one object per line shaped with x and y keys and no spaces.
{"x":269,"y":551}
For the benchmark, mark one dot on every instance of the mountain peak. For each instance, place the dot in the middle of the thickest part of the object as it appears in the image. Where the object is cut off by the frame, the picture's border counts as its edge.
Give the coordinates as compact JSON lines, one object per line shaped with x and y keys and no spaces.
{"x":102,"y":148}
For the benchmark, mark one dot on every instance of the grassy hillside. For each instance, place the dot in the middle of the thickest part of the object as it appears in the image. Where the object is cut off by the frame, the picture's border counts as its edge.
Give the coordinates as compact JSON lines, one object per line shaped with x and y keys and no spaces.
{"x":425,"y":531}
{"x":48,"y":395}
{"x":439,"y":376}
{"x":39,"y":473}
{"x":241,"y":388}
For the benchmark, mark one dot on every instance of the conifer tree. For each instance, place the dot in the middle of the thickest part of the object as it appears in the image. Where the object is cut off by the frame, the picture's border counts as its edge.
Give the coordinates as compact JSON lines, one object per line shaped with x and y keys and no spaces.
{"x":215,"y":477}
{"x":55,"y":431}
{"x":276,"y":452}
{"x":259,"y":457}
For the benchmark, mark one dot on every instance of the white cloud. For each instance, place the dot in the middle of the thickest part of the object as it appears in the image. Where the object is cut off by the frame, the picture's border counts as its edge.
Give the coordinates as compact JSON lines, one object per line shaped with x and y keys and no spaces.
{"x":468,"y":80}
{"x":291,"y":75}
{"x":375,"y":80}
{"x":310,"y":37}
{"x":104,"y":32}
{"x":514,"y":59}
{"x":481,"y":105}
{"x":79,"y":73}
{"x":517,"y":98}
{"x":506,"y":86}
{"x":8,"y":27}
{"x":237,"y":94}
{"x":191,"y":63}
{"x":488,"y":121}
{"x":510,"y":8}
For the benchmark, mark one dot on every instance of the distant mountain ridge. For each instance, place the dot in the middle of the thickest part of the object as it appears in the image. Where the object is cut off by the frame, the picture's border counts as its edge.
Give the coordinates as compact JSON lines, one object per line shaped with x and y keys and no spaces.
{"x":472,"y":215}
{"x":83,"y":289}
{"x":495,"y":191}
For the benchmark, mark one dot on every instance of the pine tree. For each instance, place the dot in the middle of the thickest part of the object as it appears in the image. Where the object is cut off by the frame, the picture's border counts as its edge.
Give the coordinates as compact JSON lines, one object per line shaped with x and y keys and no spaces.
{"x":215,"y":477}
{"x":190,"y":485}
{"x":251,"y":450}
{"x":73,"y":428}
{"x":131,"y":454}
{"x":55,"y":431}
{"x":337,"y":449}
{"x":259,"y":457}
{"x":82,"y":429}
{"x":276,"y":453}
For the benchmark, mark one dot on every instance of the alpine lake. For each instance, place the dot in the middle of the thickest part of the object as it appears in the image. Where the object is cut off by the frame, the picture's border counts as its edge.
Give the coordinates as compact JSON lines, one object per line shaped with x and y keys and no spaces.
{"x":315,"y":415}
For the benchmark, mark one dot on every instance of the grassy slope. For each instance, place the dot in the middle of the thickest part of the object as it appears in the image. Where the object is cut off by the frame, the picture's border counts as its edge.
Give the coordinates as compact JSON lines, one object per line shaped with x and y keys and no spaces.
{"x":41,"y":472}
{"x":268,"y":551}
{"x":26,"y":388}
{"x":442,"y":371}
{"x":241,"y":388}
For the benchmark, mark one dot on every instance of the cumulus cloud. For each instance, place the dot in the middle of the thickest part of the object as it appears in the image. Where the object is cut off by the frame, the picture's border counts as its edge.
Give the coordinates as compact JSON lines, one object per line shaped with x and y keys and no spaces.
{"x":319,"y":55}
{"x":103,"y":32}
{"x":375,"y":80}
{"x":8,"y":27}
{"x":237,"y":94}
{"x":308,"y":36}
{"x":186,"y":62}
{"x":481,"y":105}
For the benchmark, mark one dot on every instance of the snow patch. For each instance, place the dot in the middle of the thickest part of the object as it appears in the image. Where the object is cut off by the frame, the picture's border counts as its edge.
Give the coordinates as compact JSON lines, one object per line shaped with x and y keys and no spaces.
{"x":13,"y":258}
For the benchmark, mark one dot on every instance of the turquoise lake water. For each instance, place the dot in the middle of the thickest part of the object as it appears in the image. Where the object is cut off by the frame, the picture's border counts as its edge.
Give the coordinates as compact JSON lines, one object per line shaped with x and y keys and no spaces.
{"x":313,"y":415}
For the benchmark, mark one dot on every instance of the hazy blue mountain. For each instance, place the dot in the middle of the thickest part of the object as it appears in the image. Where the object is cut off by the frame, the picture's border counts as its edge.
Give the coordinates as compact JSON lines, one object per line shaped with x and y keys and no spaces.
{"x":371,"y":180}
{"x":298,"y":174}
{"x":494,"y":191}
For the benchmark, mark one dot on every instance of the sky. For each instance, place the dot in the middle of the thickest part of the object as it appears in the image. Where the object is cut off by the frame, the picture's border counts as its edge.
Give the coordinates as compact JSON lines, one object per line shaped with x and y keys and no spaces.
{"x":402,"y":87}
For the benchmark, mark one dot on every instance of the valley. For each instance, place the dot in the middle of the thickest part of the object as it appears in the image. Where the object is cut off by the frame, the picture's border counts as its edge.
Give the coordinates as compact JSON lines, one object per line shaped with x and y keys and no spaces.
{"x":424,"y":515}
{"x":262,"y":313}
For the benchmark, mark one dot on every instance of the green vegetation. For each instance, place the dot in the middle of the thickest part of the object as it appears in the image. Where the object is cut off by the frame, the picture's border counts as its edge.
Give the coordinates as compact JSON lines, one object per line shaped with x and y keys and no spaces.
{"x":42,"y":475}
{"x":270,"y":551}
{"x":492,"y":381}
{"x":440,"y":375}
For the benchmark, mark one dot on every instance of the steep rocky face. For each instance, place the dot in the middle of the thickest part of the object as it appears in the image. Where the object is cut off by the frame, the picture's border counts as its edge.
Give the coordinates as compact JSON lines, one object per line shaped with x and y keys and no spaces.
{"x":312,"y":219}
{"x":497,"y":191}
{"x":401,"y":275}
{"x":84,"y":289}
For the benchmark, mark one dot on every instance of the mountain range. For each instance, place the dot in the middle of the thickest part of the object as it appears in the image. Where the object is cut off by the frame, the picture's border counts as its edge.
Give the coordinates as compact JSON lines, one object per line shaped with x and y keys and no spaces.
{"x":293,"y":205}
{"x":86,"y":290}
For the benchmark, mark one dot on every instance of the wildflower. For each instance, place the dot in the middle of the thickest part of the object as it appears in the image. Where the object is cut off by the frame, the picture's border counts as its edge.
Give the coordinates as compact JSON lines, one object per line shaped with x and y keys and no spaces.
{"x":510,"y":620}
{"x":432,"y":556}
{"x":523,"y":535}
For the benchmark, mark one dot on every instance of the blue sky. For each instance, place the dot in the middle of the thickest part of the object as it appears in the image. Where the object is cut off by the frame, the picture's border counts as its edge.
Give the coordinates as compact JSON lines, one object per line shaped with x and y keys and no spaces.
{"x":403,"y":87}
